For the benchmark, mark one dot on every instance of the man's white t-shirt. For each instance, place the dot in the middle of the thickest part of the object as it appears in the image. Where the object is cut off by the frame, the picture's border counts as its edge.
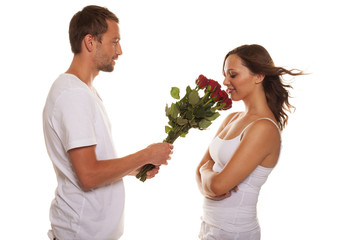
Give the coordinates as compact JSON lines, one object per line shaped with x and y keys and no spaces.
{"x":75,"y":117}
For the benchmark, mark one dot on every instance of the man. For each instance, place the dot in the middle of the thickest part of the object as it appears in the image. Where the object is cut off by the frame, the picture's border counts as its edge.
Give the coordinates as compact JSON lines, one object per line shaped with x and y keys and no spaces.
{"x":89,"y":198}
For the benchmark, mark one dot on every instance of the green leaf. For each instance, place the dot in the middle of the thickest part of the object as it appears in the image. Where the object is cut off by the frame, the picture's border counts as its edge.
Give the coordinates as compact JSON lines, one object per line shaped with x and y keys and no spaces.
{"x":171,"y":123}
{"x":193,"y":123}
{"x":199,"y":112}
{"x":208,"y":113}
{"x":213,"y":117}
{"x":167,"y":110}
{"x":203,"y":124}
{"x":181,"y":121}
{"x":167,"y":129}
{"x":175,"y":92}
{"x":189,"y":115}
{"x":194,"y":97}
{"x":183,"y":135}
{"x":188,"y":90}
{"x":174,"y":110}
{"x":183,"y":106}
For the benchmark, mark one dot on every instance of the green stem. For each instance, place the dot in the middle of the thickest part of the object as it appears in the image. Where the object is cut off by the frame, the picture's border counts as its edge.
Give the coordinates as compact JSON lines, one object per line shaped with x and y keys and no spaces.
{"x":205,"y":96}
{"x":142,"y":174}
{"x":210,"y":100}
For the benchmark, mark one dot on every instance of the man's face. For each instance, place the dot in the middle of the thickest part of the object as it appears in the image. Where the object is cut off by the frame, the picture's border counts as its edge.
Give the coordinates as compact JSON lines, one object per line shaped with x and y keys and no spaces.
{"x":108,"y":50}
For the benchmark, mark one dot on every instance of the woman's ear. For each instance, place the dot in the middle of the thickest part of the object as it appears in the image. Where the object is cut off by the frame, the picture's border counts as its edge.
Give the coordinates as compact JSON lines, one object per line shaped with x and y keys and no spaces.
{"x":259,"y":78}
{"x":89,"y":42}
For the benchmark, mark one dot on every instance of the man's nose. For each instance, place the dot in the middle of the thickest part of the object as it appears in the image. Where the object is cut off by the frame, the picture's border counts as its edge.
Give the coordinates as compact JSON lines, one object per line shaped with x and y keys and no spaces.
{"x":118,"y":49}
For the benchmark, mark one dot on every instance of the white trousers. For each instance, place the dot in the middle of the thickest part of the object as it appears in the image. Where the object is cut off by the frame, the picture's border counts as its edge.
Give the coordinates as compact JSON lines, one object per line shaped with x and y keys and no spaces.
{"x":208,"y":232}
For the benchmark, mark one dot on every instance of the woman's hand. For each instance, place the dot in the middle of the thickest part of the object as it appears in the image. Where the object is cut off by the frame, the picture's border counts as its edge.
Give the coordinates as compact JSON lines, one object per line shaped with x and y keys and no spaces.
{"x":223,"y":196}
{"x":207,"y":166}
{"x":206,"y":174}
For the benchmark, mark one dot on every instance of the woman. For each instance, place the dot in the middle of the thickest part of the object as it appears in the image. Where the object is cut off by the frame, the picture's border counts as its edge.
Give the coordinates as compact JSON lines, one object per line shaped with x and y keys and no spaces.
{"x":246,"y":147}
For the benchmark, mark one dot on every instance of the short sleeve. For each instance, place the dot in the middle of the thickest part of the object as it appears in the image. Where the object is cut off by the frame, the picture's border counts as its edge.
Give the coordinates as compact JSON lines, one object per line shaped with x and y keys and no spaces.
{"x":73,"y":119}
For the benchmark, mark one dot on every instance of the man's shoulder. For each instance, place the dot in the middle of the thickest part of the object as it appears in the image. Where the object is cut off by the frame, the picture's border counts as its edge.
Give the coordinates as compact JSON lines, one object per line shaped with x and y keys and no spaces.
{"x":69,"y":81}
{"x":68,"y":89}
{"x":67,"y":84}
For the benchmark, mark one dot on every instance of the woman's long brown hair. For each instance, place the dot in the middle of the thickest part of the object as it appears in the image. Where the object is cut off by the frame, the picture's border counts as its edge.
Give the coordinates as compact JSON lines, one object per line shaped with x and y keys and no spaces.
{"x":257,"y":59}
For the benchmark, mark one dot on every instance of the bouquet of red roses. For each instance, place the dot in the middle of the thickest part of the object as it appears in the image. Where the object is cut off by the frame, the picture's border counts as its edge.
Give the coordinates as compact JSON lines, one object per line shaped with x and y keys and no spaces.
{"x":192,"y":111}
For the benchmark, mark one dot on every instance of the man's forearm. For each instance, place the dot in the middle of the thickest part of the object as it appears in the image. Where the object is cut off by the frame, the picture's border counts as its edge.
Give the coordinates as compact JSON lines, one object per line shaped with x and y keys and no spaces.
{"x":93,"y":173}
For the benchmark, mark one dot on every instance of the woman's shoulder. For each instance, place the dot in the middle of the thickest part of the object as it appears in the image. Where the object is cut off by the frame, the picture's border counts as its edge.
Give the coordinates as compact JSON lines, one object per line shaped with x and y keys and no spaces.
{"x":264,"y":127}
{"x":267,"y":122}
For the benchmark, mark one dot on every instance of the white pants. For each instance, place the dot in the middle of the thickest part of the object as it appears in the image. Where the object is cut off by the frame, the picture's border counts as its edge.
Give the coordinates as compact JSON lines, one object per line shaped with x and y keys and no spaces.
{"x":208,"y":232}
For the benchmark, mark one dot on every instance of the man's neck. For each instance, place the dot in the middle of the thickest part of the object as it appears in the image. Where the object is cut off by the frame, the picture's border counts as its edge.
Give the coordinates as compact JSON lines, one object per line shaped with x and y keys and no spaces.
{"x":83,"y":69}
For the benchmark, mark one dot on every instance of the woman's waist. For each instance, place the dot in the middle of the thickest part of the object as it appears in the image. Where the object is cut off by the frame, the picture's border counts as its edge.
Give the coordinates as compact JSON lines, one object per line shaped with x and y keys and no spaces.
{"x":239,"y":219}
{"x":215,"y":207}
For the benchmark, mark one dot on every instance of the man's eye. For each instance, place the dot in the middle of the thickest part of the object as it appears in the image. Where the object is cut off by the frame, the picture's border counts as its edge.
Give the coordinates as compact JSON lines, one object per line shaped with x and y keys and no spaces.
{"x":232,"y":76}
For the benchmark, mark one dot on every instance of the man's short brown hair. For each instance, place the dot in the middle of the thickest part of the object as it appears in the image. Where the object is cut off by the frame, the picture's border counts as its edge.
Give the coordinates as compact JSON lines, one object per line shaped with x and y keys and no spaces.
{"x":91,"y":20}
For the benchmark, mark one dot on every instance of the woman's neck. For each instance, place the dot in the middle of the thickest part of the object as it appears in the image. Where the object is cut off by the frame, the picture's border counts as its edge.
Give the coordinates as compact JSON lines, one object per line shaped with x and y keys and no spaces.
{"x":257,"y":105}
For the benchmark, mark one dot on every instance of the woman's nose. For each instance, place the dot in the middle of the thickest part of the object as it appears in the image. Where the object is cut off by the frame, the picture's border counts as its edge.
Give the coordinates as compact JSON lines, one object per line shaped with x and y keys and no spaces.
{"x":226,"y":81}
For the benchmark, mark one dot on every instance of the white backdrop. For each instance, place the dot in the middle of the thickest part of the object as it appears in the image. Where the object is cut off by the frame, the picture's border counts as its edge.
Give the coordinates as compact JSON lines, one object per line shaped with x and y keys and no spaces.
{"x":314,"y":191}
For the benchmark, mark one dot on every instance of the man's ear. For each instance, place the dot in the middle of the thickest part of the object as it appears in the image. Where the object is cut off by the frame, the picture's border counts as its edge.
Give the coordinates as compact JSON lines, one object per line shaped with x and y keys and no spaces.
{"x":89,"y":42}
{"x":259,"y":78}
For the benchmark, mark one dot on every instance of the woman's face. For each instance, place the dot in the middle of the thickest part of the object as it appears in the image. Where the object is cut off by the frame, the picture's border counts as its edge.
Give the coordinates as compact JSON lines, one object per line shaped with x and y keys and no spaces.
{"x":239,"y":80}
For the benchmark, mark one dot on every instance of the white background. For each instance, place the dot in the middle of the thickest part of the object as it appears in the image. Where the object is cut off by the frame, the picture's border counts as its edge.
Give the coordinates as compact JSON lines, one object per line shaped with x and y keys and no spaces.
{"x":314,"y":191}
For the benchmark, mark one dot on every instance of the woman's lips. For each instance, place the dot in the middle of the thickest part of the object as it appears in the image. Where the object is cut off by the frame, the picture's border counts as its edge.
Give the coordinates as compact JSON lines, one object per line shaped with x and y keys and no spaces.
{"x":229,"y":90}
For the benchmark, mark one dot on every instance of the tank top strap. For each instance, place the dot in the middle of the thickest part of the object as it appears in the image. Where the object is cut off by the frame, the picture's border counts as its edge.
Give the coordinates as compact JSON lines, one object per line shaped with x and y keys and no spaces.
{"x":258,"y":120}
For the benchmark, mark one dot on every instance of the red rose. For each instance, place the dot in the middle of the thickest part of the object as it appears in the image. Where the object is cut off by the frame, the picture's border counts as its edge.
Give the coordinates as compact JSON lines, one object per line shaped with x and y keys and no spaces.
{"x":213,"y":85}
{"x":223,"y":95}
{"x":228,"y":104}
{"x":216,"y":95}
{"x":202,"y":81}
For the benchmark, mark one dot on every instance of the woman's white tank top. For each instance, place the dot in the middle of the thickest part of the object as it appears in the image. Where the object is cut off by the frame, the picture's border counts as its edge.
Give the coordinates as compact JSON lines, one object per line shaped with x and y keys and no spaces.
{"x":236,"y":213}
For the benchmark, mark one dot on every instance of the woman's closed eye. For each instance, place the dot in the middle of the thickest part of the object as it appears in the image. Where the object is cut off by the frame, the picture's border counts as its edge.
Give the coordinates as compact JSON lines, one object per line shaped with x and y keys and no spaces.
{"x":232,"y":74}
